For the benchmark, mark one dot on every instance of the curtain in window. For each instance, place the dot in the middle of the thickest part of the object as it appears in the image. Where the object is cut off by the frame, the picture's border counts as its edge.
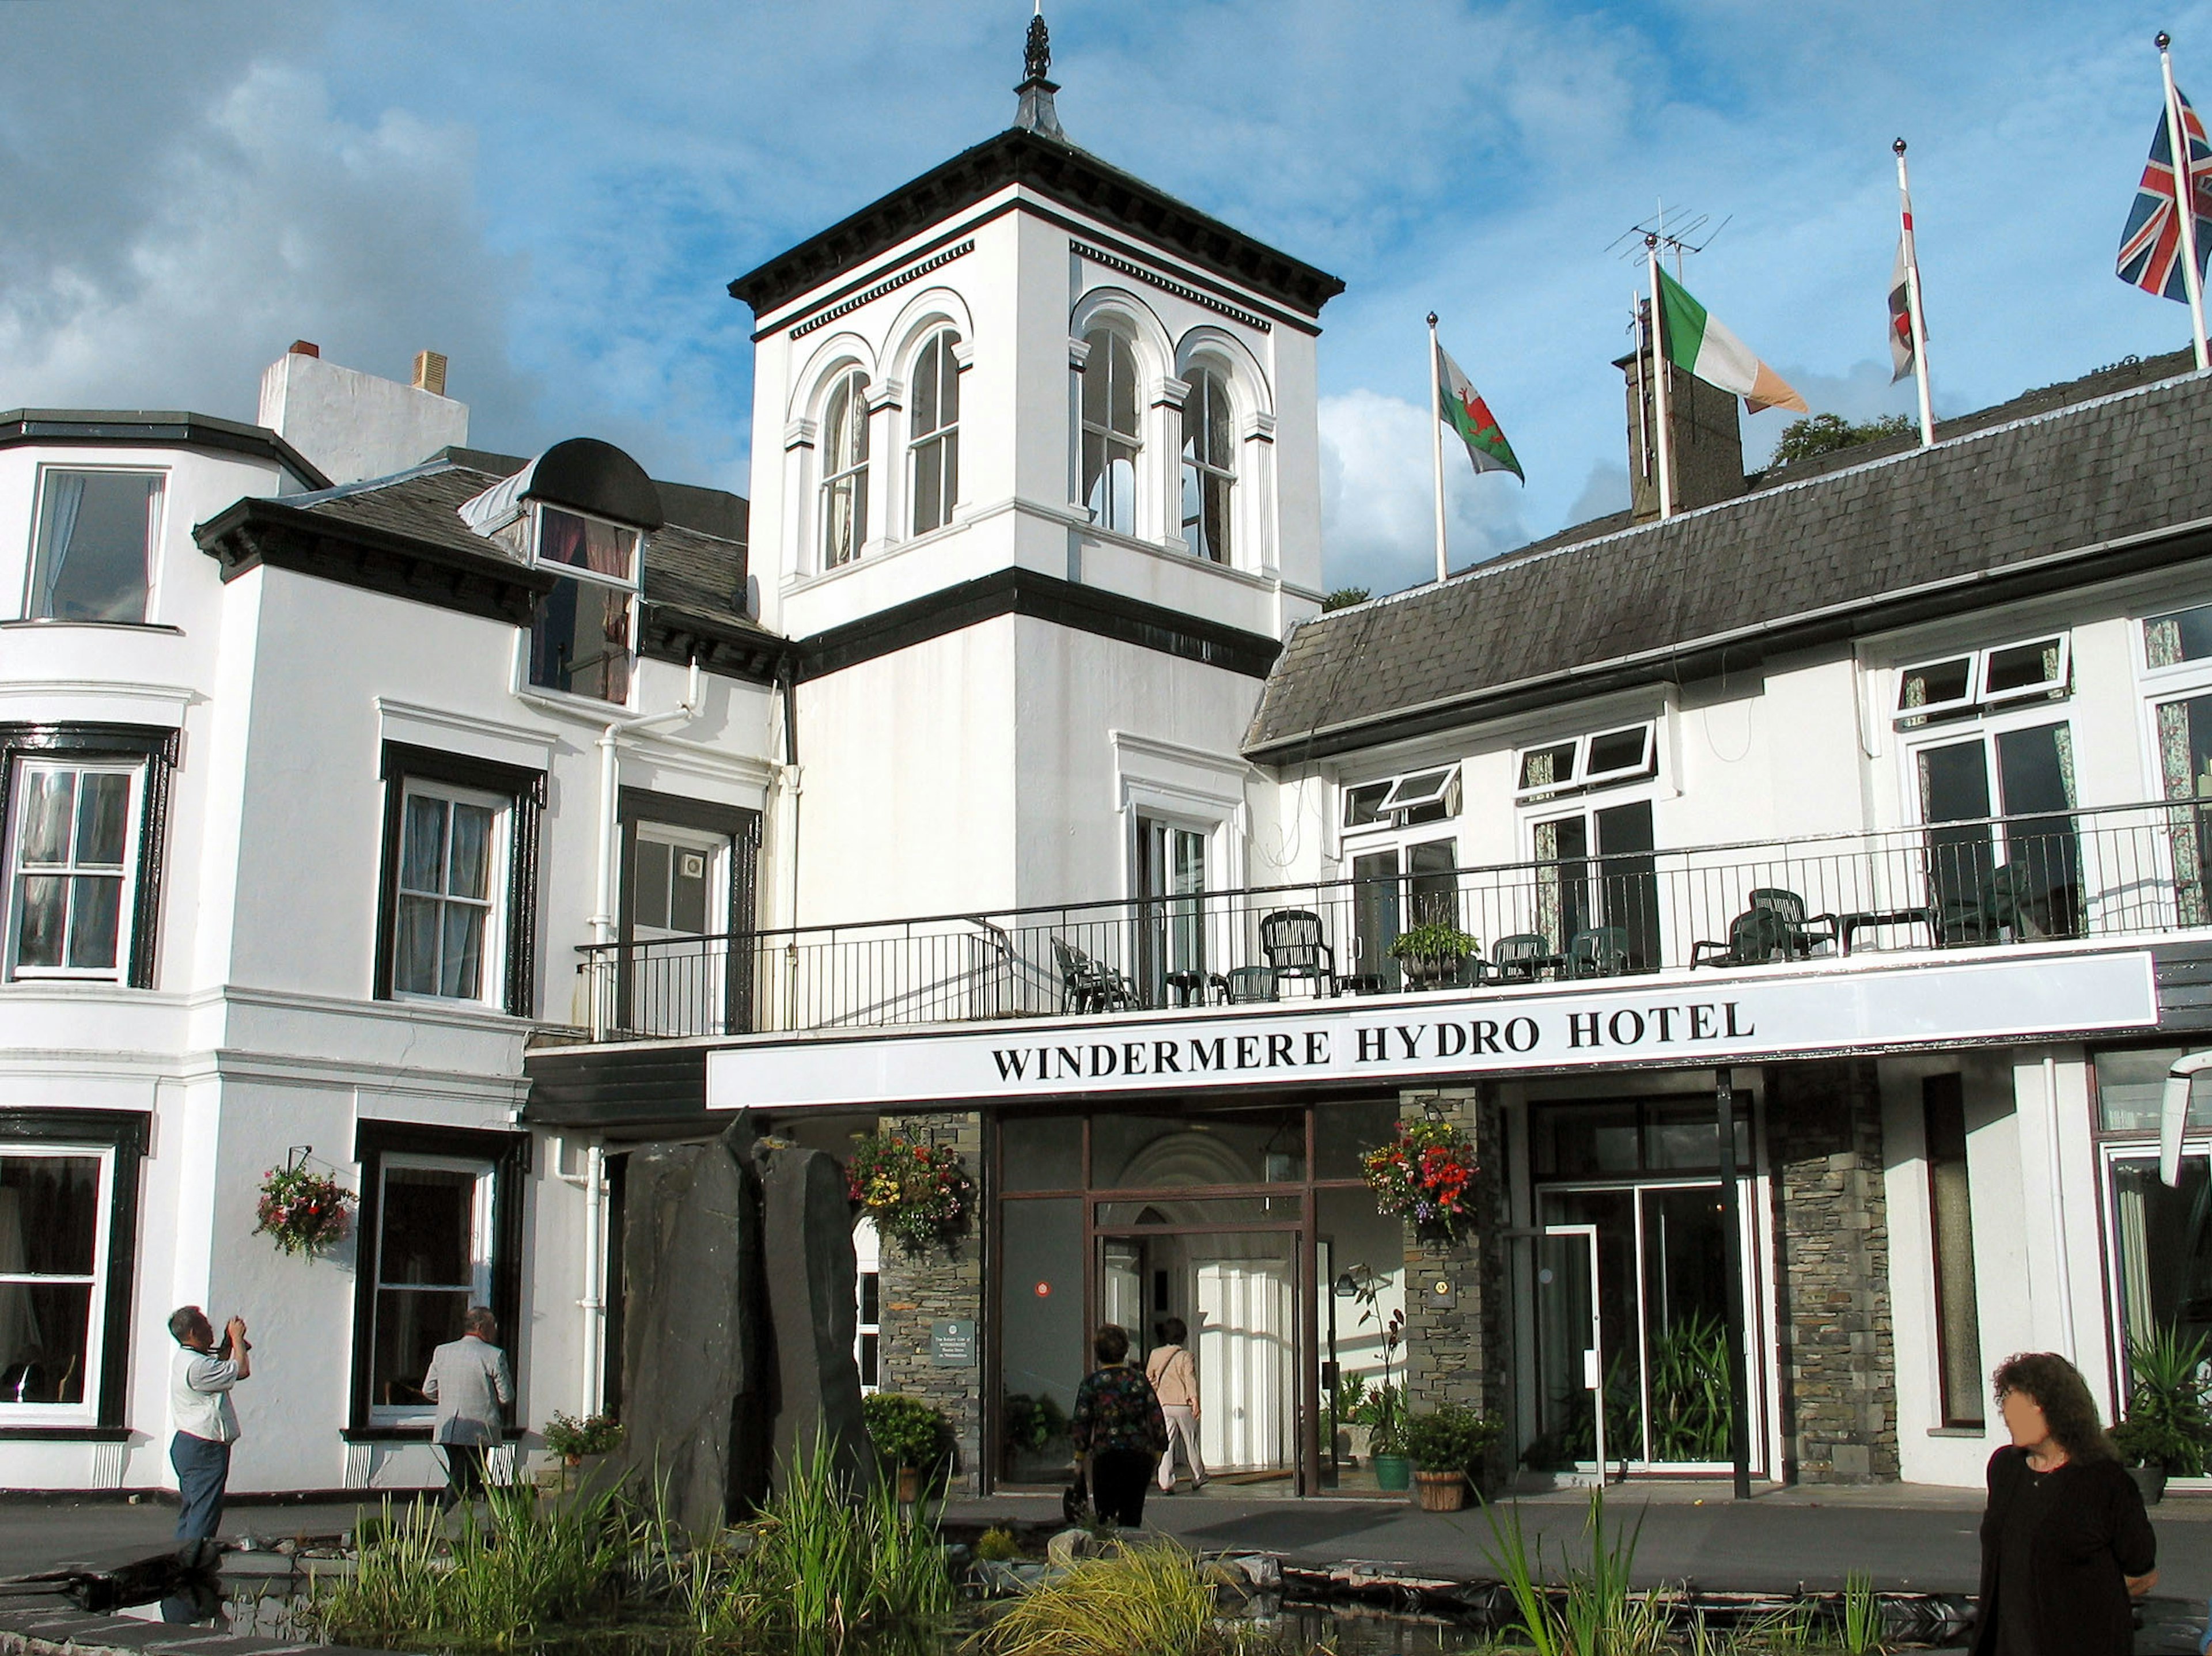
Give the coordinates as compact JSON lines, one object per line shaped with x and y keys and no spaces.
{"x":1547,"y":877}
{"x":2162,"y":642}
{"x":2062,"y":739}
{"x":64,"y":499}
{"x":2183,"y":776}
{"x":1537,"y":772}
{"x":19,"y":1318}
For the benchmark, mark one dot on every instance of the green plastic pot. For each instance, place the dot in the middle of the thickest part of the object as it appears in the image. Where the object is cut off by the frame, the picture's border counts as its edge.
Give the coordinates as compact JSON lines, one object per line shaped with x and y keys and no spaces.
{"x":1394,"y":1472}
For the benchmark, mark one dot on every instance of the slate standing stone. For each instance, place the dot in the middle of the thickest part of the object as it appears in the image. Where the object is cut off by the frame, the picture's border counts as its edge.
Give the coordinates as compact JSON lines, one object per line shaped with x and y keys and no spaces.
{"x":811,"y":1276}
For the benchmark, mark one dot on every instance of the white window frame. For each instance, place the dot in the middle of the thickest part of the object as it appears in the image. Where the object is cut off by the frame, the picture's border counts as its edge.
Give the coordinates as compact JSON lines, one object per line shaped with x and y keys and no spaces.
{"x":156,"y":529}
{"x":1424,"y":785}
{"x":867,"y":1258}
{"x":492,"y":987}
{"x":86,"y":1411}
{"x":1189,"y":531}
{"x":851,"y":379}
{"x":133,"y":838}
{"x":943,"y":344}
{"x":1986,"y":729}
{"x":632,"y":586}
{"x":1094,"y":361}
{"x":1978,"y":696}
{"x":480,"y":1262}
{"x":1580,"y":778}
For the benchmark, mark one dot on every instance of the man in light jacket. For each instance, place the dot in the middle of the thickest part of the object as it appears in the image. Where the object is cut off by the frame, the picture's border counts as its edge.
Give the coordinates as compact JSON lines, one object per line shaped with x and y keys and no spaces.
{"x":1175,"y":1377}
{"x":200,"y":1379}
{"x":472,"y":1384}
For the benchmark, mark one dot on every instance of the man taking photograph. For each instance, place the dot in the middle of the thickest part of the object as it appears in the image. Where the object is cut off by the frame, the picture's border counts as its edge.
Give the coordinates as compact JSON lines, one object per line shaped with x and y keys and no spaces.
{"x":199,"y":1403}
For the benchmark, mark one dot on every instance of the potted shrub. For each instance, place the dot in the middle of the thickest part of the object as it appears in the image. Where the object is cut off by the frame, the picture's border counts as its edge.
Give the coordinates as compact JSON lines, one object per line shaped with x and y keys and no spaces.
{"x":2150,"y":1450}
{"x":1030,"y":1428}
{"x":1433,"y":953}
{"x":573,"y":1439}
{"x":909,"y":1436}
{"x":1447,"y":1445}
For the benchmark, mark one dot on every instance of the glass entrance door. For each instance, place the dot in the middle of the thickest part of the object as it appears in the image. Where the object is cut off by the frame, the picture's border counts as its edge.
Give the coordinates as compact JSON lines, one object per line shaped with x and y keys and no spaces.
{"x":1238,"y":1293}
{"x":1661,"y":1300}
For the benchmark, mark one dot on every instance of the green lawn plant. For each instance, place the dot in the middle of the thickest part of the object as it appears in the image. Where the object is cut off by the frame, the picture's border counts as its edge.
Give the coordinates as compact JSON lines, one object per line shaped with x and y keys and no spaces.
{"x":1138,"y":1598}
{"x":905,"y":1430}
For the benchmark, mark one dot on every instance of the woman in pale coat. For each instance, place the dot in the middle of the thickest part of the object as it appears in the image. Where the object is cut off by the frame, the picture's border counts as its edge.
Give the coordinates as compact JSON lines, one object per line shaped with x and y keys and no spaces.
{"x":1175,"y":1377}
{"x":472,"y":1384}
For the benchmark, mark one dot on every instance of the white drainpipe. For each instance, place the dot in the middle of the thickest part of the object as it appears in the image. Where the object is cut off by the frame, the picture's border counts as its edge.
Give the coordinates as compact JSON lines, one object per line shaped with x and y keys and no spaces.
{"x":591,"y":1348}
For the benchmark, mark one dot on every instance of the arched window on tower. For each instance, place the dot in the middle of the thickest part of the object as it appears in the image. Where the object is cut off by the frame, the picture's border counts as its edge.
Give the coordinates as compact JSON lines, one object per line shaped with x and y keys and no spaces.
{"x":936,"y":432}
{"x":845,"y":471}
{"x":1110,"y":439}
{"x":1209,"y":466}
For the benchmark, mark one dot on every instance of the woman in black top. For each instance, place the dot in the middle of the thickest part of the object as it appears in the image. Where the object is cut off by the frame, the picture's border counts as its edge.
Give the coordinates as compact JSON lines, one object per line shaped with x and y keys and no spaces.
{"x":2065,"y":1544}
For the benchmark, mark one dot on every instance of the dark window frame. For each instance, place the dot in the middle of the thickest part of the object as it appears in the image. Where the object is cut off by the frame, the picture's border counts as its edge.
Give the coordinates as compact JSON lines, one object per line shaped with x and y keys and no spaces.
{"x":124,"y":1131}
{"x":509,"y":1155}
{"x":742,"y":827}
{"x":402,"y":763}
{"x":155,"y":748}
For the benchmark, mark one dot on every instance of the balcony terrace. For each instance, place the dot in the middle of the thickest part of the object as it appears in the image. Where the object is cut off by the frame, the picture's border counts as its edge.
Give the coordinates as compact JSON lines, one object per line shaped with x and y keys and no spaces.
{"x":2092,"y":875}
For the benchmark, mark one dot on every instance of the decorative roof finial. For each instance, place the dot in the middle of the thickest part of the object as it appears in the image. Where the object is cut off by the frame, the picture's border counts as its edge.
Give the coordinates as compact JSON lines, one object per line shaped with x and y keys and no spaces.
{"x":1036,"y":114}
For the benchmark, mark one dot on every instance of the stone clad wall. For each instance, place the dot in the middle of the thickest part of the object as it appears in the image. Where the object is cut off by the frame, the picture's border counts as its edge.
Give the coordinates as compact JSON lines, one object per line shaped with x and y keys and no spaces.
{"x":1831,"y":1240}
{"x":1456,"y":1353}
{"x":915,"y":1294}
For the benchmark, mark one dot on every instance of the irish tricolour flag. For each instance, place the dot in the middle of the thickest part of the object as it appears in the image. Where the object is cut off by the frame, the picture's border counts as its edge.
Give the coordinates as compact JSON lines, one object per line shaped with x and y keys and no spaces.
{"x":1462,"y":409}
{"x":1698,"y":345}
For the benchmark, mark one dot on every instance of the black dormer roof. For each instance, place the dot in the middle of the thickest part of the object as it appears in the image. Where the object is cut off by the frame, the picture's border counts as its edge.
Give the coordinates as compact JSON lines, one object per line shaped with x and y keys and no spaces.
{"x":1053,"y":167}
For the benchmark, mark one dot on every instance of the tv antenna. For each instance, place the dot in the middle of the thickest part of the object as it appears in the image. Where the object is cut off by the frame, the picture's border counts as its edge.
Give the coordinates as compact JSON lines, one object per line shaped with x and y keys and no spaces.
{"x":1678,"y":230}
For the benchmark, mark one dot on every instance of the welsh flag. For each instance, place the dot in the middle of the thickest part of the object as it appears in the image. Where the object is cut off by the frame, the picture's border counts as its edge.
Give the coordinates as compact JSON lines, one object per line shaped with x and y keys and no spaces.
{"x":1698,"y":345}
{"x":1463,"y":409}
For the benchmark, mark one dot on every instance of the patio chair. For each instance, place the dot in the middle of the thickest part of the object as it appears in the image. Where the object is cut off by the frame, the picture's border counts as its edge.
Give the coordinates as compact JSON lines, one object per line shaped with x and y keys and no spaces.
{"x":1803,"y":939}
{"x":1251,"y":983}
{"x":1089,"y":986}
{"x":1517,"y":958}
{"x":1290,"y":938}
{"x":1600,"y":952}
{"x":1774,"y":928}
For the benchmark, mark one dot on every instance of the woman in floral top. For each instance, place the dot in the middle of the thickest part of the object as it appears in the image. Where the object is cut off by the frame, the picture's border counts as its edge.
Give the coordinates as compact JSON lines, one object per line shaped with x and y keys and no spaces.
{"x":1119,"y":1431}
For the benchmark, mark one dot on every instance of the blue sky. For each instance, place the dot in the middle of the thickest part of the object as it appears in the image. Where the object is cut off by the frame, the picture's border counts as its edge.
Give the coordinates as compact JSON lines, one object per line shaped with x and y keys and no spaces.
{"x":555,"y":195}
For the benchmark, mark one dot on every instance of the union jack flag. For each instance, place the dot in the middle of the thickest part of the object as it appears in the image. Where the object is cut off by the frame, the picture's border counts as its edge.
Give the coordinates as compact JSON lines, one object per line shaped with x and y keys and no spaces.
{"x":2150,"y":247}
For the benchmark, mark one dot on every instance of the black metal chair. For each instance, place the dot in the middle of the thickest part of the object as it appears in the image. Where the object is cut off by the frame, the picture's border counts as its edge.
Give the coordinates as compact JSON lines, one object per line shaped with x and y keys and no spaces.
{"x":1090,"y":985}
{"x":1290,"y":938}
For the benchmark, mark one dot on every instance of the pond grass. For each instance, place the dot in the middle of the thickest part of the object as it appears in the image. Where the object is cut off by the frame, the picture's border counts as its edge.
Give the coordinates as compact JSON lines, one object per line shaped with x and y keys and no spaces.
{"x":1139,"y":1598}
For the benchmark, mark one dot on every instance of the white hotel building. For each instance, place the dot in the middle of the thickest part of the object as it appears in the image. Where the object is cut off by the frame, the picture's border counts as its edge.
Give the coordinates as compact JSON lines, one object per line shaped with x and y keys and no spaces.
{"x":461,"y":823}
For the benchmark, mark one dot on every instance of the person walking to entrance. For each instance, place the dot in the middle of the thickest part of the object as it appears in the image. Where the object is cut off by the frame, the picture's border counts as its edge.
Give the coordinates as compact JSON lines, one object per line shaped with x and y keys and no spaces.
{"x":2065,"y":1542}
{"x":470,"y":1383}
{"x":1173,"y":1379}
{"x":1118,"y":1431}
{"x":200,"y":1380}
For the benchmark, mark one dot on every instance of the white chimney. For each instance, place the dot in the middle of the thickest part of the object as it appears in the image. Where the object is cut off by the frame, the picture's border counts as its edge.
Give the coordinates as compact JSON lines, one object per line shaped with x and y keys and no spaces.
{"x":352,"y":425}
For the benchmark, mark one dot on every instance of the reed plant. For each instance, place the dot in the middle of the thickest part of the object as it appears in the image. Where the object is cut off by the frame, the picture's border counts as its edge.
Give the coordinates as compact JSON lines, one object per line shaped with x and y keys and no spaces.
{"x":1595,"y":1612}
{"x":1139,"y":1598}
{"x":1862,"y":1627}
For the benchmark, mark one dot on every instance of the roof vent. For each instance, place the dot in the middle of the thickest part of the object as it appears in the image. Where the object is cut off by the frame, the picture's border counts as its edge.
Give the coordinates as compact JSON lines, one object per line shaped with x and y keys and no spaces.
{"x":430,"y":371}
{"x":304,"y":348}
{"x":1035,"y":113}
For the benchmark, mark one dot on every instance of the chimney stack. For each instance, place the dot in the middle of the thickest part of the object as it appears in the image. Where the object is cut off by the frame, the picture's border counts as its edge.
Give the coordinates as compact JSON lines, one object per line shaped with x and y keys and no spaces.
{"x":304,"y":348}
{"x":430,"y":371}
{"x":1702,"y":433}
{"x":352,"y":425}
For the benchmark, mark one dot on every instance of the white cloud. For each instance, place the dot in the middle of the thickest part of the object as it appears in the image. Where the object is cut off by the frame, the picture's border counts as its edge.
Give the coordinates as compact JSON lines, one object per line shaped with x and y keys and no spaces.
{"x":1378,"y":497}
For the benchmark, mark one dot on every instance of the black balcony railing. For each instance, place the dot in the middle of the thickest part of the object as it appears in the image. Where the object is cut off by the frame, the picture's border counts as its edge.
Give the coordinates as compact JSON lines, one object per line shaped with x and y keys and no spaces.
{"x":2119,"y":871}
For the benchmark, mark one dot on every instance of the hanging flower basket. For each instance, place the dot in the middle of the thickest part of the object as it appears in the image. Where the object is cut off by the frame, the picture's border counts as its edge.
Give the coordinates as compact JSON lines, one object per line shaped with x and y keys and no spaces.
{"x":305,"y":1211}
{"x":1426,"y":1176}
{"x":918,"y":1194}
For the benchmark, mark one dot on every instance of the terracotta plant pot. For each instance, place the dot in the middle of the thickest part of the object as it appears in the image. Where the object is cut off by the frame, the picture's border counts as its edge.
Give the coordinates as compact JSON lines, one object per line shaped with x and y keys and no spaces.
{"x":1392,"y":1472}
{"x":909,"y":1485}
{"x":1440,"y":1492}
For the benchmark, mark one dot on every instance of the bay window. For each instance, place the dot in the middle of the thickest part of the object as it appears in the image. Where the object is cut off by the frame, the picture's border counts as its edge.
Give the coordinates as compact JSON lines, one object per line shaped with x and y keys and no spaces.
{"x":92,"y":551}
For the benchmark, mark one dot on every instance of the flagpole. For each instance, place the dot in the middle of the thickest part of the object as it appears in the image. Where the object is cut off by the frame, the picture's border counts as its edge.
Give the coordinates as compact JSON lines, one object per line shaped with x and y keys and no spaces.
{"x":2184,"y":195}
{"x":1912,"y":295}
{"x":1437,"y":433}
{"x":1659,"y":378}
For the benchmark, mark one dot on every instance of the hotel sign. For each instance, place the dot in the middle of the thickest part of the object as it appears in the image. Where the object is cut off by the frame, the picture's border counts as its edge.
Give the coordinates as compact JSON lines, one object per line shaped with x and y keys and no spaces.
{"x":1553,"y":1028}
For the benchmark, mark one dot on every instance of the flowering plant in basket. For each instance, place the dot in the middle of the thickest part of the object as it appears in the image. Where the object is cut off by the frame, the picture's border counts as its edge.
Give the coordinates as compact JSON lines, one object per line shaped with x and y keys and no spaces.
{"x":1426,"y":1174}
{"x":918,"y":1193}
{"x":302,"y":1209}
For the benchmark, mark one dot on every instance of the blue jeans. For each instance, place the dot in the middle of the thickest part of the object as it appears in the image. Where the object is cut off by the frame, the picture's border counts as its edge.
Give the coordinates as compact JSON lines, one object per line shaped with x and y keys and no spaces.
{"x":203,"y":1468}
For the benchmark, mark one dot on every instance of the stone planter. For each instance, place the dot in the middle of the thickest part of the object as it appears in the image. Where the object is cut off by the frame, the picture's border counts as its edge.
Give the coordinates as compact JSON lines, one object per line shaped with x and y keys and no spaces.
{"x":1352,"y":1442}
{"x":1392,"y":1472}
{"x":2151,"y":1480}
{"x":1440,"y":1492}
{"x":1432,"y":971}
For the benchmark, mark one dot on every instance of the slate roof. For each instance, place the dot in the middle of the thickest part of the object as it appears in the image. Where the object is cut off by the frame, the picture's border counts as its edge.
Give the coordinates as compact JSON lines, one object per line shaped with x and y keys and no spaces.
{"x":2063,"y":486}
{"x":702,"y":574}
